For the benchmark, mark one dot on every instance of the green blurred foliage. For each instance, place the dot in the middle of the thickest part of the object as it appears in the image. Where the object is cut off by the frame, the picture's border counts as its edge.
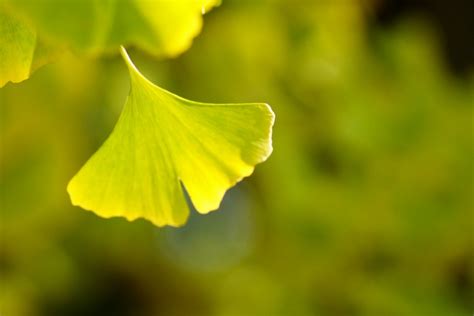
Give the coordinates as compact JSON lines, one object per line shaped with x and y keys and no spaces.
{"x":364,"y":208}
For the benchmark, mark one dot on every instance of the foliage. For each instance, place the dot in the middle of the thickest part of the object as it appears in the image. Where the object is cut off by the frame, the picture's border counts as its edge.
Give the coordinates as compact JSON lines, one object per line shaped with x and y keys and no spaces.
{"x":21,"y":51}
{"x":364,"y":208}
{"x":92,"y":27}
{"x":161,"y":141}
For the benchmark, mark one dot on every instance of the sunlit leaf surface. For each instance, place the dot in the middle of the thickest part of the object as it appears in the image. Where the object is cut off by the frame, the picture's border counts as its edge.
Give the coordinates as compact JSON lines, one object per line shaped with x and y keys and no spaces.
{"x":163,"y":142}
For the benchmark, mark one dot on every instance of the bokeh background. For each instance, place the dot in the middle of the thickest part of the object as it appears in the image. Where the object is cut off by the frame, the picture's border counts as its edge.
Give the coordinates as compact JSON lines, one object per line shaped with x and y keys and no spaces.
{"x":364,"y":208}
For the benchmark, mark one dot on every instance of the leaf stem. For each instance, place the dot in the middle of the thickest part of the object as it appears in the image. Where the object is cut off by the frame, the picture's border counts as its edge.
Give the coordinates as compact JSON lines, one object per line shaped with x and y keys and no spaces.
{"x":127,"y":59}
{"x":134,"y":72}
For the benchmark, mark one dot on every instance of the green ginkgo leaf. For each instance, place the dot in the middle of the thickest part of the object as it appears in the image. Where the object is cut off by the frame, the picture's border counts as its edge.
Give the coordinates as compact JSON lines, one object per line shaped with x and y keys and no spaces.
{"x":161,"y":27}
{"x":162,"y":143}
{"x":21,"y":52}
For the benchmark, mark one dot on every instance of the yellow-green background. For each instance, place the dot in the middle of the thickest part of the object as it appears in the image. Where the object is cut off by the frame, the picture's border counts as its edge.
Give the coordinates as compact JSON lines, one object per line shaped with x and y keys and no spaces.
{"x":364,"y":207}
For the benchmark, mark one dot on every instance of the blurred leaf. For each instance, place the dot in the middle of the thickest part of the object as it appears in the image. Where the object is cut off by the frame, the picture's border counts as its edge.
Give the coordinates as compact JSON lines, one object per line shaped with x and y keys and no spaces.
{"x":21,"y":52}
{"x":161,"y":27}
{"x":161,"y":140}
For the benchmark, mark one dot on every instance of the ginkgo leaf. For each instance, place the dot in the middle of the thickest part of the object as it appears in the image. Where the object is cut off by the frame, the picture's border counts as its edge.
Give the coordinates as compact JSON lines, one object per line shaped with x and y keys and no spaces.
{"x":162,"y":143}
{"x":161,"y":27}
{"x":21,"y":52}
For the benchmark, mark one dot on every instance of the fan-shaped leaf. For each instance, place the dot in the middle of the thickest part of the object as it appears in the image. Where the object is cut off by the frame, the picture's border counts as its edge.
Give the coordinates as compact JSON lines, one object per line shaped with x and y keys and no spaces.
{"x":163,"y":142}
